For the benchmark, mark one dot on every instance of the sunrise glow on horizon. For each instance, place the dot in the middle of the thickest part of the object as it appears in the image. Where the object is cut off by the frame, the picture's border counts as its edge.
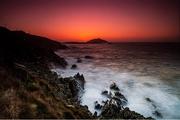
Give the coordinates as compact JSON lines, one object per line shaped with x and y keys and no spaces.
{"x":81,"y":20}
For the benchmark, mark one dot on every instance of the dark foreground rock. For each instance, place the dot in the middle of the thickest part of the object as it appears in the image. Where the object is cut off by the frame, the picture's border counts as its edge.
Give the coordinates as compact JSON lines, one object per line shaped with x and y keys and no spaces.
{"x":28,"y":88}
{"x":80,"y":79}
{"x":113,"y":86}
{"x":114,"y":107}
{"x":74,"y":66}
{"x":88,"y":57}
{"x":105,"y":92}
{"x":97,"y":105}
{"x":79,"y":60}
{"x":114,"y":110}
{"x":157,"y":114}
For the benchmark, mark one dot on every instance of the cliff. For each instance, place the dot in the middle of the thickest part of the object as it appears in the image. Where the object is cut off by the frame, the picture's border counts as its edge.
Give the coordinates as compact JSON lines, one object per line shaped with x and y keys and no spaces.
{"x":28,"y":88}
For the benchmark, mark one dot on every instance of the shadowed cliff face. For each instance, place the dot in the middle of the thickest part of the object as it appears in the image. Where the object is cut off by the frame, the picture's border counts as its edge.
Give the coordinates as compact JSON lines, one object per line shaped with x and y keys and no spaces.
{"x":28,"y":88}
{"x":20,"y":46}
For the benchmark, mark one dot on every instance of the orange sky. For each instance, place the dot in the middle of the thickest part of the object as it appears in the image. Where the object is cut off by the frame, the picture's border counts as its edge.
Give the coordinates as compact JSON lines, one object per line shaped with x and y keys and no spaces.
{"x":81,"y":20}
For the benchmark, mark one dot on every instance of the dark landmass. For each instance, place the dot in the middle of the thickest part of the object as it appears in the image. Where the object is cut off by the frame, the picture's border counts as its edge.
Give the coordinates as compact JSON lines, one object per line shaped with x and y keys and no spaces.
{"x":93,"y":41}
{"x":97,"y":41}
{"x":29,"y":89}
{"x":74,"y":42}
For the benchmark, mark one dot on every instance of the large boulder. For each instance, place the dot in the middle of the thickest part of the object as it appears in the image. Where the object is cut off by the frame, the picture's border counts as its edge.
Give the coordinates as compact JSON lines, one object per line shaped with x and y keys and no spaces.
{"x":80,"y":79}
{"x":113,"y":86}
{"x":112,"y":110}
{"x":105,"y":92}
{"x":74,"y":66}
{"x":97,"y":105}
{"x":121,"y":97}
{"x":88,"y":57}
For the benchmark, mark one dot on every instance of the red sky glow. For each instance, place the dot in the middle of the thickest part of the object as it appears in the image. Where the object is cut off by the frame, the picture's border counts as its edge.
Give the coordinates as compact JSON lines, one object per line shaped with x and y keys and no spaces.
{"x":81,"y":20}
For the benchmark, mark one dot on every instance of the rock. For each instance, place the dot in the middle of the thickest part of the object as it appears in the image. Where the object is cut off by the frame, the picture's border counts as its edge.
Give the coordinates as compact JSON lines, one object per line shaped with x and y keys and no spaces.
{"x":112,"y":111}
{"x":114,"y":108}
{"x":95,"y":114}
{"x":109,"y":110}
{"x":114,"y":87}
{"x":80,"y":79}
{"x":97,"y":105}
{"x":103,"y":102}
{"x":118,"y":102}
{"x":105,"y":92}
{"x":79,"y":60}
{"x":157,"y":114}
{"x":86,"y":107}
{"x":148,"y":99}
{"x":74,"y":66}
{"x":74,"y":88}
{"x":88,"y":57}
{"x":121,"y":96}
{"x":126,"y":113}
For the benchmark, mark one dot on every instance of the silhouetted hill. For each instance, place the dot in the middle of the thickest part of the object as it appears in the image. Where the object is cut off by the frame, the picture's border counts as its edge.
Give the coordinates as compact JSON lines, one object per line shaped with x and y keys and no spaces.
{"x":37,"y":41}
{"x":21,"y":46}
{"x":97,"y":41}
{"x":28,"y":88}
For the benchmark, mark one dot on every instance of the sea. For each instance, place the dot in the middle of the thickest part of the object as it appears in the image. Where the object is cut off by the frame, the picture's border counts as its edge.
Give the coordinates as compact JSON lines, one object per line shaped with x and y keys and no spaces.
{"x":141,"y":71}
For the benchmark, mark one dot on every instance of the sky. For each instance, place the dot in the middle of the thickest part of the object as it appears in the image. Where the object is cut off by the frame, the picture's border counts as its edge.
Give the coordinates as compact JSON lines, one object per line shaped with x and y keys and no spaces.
{"x":82,"y":20}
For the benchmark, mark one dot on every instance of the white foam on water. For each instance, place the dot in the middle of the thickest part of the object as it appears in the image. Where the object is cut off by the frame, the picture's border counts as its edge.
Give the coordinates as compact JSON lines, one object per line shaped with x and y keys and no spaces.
{"x":134,"y":87}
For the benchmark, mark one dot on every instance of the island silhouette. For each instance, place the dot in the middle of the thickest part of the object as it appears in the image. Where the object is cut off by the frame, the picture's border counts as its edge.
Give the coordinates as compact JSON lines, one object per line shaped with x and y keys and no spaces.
{"x":97,"y":41}
{"x":92,"y":41}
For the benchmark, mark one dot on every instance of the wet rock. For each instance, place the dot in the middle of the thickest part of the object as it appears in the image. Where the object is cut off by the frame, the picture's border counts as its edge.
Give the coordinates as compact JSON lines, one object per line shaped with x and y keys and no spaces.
{"x":86,"y":107}
{"x":114,"y":87}
{"x":121,"y":96}
{"x":79,"y":60}
{"x":74,"y":66}
{"x":157,"y":114}
{"x":148,"y":99}
{"x":114,"y":108}
{"x":105,"y":92}
{"x":95,"y":114}
{"x":110,"y":109}
{"x":117,"y":101}
{"x":74,"y":88}
{"x":126,"y":113}
{"x":88,"y":57}
{"x":80,"y":79}
{"x":97,"y":105}
{"x":103,"y":102}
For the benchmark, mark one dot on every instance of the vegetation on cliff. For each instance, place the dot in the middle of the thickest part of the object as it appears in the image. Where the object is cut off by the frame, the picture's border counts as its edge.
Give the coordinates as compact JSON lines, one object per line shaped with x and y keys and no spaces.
{"x":29,"y":89}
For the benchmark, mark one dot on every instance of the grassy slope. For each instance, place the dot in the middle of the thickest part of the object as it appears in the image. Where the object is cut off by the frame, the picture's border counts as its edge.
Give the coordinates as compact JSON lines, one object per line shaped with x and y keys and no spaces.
{"x":28,"y":88}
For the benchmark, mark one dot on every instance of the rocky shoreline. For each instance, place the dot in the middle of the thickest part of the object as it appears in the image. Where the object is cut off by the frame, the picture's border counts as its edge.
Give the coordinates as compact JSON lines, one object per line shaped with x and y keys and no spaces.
{"x":113,"y":107}
{"x":29,"y":89}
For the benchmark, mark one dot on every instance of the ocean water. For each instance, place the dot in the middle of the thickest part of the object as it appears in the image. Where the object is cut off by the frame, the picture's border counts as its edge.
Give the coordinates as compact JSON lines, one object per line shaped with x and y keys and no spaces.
{"x":141,"y":70}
